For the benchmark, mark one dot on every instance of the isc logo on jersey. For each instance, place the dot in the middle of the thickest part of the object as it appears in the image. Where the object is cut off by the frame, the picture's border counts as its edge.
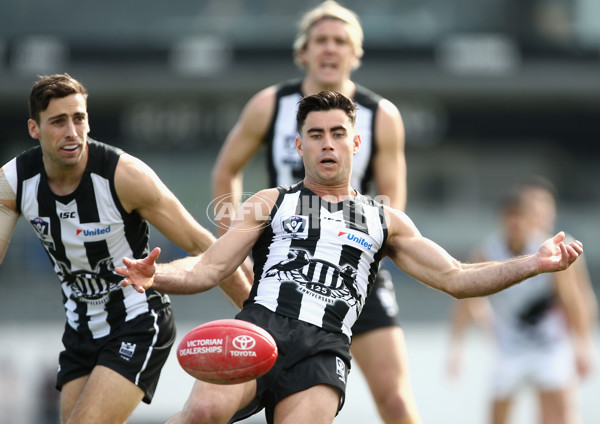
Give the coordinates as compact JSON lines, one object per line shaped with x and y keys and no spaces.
{"x":356,"y":239}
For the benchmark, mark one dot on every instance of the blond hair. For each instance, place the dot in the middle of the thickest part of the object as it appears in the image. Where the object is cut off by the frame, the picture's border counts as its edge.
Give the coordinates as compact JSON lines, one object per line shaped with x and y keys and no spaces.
{"x":329,"y":9}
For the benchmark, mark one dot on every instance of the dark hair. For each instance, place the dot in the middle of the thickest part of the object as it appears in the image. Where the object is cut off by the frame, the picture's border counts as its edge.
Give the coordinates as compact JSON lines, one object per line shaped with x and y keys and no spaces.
{"x":540,"y":183}
{"x":510,"y":200}
{"x":324,"y":101}
{"x":49,"y":87}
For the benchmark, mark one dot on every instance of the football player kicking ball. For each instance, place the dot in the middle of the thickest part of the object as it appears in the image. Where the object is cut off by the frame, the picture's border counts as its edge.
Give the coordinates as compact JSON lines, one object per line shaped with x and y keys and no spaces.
{"x":312,"y":278}
{"x":328,"y":48}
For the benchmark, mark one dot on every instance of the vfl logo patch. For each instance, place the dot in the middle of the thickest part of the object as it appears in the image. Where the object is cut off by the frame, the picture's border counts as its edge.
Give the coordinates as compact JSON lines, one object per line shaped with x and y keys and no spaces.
{"x":295,"y":226}
{"x":356,"y":239}
{"x":340,"y":369}
{"x":41,"y":225}
{"x":42,"y":228}
{"x":127,"y":350}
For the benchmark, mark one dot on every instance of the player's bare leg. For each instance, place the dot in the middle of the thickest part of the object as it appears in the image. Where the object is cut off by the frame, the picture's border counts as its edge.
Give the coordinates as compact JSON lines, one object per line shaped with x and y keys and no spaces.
{"x":317,"y":405}
{"x":103,"y":397}
{"x":558,"y":407}
{"x":501,"y":410}
{"x":382,"y":357}
{"x":214,"y":403}
{"x":68,"y":396}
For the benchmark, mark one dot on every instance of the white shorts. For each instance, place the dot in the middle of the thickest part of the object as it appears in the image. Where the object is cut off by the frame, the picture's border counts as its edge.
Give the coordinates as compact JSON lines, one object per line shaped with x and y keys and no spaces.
{"x":546,"y":369}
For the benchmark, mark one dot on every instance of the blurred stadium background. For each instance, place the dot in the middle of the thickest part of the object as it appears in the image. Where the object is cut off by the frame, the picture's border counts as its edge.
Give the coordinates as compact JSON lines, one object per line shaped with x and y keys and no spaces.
{"x":490,"y":91}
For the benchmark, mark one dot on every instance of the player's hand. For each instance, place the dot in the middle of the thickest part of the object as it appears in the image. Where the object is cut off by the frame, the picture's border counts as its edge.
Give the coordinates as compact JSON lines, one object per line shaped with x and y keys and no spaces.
{"x":139,"y":273}
{"x":555,"y":255}
{"x":453,"y":362}
{"x":585,"y":357}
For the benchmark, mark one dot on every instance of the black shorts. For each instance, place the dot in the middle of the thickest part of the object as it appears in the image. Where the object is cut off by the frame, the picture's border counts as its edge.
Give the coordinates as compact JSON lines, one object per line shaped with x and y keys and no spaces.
{"x":136,"y":349}
{"x":381,"y":308}
{"x":307,"y":356}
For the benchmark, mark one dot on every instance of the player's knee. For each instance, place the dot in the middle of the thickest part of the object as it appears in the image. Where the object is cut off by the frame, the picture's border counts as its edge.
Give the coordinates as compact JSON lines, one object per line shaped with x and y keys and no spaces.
{"x":396,"y":408}
{"x":201,"y":413}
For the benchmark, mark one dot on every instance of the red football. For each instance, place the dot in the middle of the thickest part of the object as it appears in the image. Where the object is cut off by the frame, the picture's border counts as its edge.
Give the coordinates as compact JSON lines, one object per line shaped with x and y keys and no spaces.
{"x":227,"y":351}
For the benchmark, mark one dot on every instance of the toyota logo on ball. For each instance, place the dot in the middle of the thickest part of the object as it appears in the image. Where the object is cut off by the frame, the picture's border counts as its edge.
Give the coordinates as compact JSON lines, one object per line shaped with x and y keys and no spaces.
{"x":244,"y":342}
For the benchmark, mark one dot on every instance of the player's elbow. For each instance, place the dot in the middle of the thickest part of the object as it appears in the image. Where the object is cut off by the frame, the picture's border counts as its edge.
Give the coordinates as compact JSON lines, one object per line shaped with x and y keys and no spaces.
{"x":451,"y":284}
{"x":455,"y":288}
{"x":222,"y":174}
{"x":459,"y":294}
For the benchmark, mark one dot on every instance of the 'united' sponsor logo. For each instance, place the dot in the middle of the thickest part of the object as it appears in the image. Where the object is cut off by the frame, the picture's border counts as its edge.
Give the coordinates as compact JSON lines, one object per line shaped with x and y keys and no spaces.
{"x":94,"y":232}
{"x":356,"y":239}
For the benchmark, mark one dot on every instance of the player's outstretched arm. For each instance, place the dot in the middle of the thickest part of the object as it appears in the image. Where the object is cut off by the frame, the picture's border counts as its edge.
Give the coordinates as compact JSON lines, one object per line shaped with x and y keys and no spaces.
{"x":431,"y":264}
{"x":192,"y":274}
{"x":200,"y":273}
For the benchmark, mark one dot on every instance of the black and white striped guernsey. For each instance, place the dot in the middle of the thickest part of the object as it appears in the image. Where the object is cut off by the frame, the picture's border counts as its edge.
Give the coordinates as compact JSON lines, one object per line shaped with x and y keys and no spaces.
{"x":285,"y":165}
{"x":316,"y":261}
{"x":86,"y":234}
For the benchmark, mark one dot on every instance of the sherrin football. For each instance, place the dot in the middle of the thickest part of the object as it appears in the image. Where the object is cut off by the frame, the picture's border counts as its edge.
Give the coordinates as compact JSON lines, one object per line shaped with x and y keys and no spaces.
{"x":227,"y":351}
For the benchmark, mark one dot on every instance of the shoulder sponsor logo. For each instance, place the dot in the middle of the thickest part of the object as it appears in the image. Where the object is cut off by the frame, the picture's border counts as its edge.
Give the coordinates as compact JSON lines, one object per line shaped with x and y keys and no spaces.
{"x":356,"y":239}
{"x":94,"y":232}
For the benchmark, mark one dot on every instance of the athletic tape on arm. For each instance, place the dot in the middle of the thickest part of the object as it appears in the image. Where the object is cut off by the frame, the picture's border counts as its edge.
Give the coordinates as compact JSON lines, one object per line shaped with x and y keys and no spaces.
{"x":8,"y":217}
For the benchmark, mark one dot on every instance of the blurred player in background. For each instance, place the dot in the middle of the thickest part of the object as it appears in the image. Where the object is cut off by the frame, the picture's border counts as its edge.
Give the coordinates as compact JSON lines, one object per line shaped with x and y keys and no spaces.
{"x":328,"y":48}
{"x":90,"y":204}
{"x":540,"y":197}
{"x":542,"y":330}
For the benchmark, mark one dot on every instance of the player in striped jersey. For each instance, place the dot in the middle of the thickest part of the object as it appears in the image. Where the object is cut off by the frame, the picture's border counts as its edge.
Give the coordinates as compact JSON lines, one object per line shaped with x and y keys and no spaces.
{"x":328,"y":48}
{"x":90,"y":204}
{"x":317,"y":246}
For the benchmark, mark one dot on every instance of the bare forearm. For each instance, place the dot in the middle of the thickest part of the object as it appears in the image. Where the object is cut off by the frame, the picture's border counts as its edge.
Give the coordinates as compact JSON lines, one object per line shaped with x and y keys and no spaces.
{"x":236,"y":288}
{"x":184,"y":276}
{"x":487,"y":278}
